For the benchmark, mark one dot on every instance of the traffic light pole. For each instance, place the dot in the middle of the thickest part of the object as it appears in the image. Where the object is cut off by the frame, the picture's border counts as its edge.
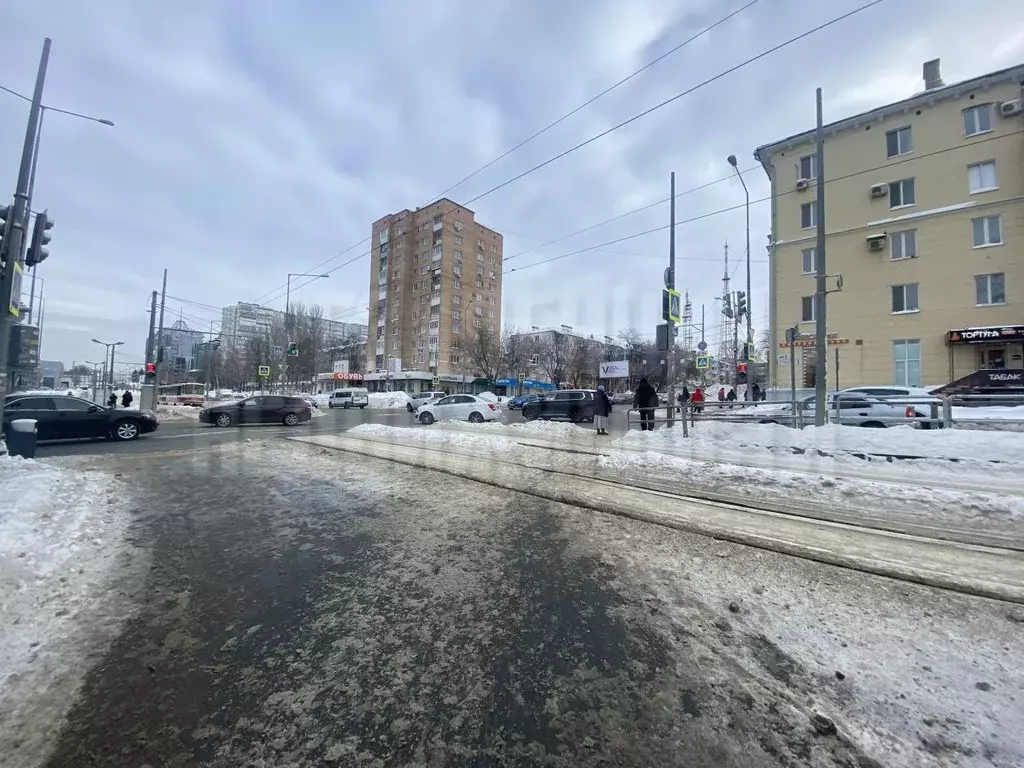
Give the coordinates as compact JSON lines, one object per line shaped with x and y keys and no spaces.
{"x":147,"y":394}
{"x":18,"y":231}
{"x":670,"y":368}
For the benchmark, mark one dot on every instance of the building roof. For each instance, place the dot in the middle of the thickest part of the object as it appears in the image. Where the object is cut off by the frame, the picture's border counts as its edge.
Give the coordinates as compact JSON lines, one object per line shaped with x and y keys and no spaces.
{"x":927,"y":97}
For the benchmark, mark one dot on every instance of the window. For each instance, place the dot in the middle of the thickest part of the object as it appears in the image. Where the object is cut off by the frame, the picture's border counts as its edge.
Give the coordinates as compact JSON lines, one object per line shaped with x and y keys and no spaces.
{"x":394,"y":345}
{"x":453,"y":359}
{"x":478,"y":311}
{"x":398,"y":273}
{"x":490,"y":313}
{"x":809,"y":167}
{"x":987,"y":230}
{"x":456,"y":328}
{"x":898,"y":142}
{"x":906,"y":358}
{"x":903,"y":245}
{"x":456,"y":284}
{"x":456,"y":300}
{"x":494,"y":248}
{"x":904,"y":298}
{"x":456,"y":270}
{"x":458,"y":255}
{"x":491,"y":287}
{"x":437,"y":219}
{"x":456,"y":314}
{"x":424,"y":269}
{"x":901,"y":193}
{"x":458,"y":240}
{"x":990,"y":289}
{"x":76,"y":404}
{"x":977,"y":120}
{"x":809,"y":261}
{"x":479,"y":283}
{"x":458,"y":225}
{"x":435,"y":324}
{"x":438,"y":249}
{"x":981,"y":177}
{"x":808,"y":215}
{"x":480,"y":244}
{"x":807,"y":309}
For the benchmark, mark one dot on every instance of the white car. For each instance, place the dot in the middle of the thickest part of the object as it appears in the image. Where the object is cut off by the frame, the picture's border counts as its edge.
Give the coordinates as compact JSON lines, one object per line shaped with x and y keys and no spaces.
{"x":916,"y":402}
{"x":856,"y":409}
{"x":458,"y":408}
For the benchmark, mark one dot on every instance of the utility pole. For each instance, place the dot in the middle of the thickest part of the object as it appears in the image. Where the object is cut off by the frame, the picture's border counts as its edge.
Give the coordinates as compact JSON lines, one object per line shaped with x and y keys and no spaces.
{"x":159,"y":349}
{"x":12,"y":245}
{"x":736,"y":353}
{"x":147,"y":391}
{"x":150,"y":341}
{"x":670,"y":367}
{"x":821,"y":337}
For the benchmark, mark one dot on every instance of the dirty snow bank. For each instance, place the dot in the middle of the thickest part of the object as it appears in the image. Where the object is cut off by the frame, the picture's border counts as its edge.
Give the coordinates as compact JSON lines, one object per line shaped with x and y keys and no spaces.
{"x":177,"y":413}
{"x":384,"y":400}
{"x":410,"y":436}
{"x":61,"y":546}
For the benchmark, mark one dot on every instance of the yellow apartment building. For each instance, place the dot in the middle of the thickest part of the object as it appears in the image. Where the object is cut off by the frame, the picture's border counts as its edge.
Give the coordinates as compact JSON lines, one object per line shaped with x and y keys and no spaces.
{"x":924,"y":213}
{"x":435,"y":278}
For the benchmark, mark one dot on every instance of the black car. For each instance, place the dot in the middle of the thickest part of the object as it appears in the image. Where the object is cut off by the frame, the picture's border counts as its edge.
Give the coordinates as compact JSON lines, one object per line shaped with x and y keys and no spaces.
{"x":576,"y":405}
{"x":261,"y":409}
{"x":61,"y":417}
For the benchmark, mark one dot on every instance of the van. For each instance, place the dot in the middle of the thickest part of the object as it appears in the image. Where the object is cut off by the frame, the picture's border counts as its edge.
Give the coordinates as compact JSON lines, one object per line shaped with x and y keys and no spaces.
{"x":349,"y":398}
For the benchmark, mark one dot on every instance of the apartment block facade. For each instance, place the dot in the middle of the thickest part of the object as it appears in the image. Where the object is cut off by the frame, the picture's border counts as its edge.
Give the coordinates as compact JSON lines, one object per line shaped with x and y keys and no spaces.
{"x":244,"y":321}
{"x":924,"y":202}
{"x":435,"y":280}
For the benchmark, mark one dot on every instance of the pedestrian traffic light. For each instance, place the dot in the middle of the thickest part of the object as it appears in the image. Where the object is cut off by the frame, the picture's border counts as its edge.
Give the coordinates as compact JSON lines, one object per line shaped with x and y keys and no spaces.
{"x":150,"y":373}
{"x":741,"y":368}
{"x":741,"y":373}
{"x":293,"y":349}
{"x":37,"y":252}
{"x":741,"y":304}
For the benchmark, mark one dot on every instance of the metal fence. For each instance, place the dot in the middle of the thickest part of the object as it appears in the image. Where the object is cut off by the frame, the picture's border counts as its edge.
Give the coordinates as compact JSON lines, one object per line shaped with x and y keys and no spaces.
{"x":853,"y":409}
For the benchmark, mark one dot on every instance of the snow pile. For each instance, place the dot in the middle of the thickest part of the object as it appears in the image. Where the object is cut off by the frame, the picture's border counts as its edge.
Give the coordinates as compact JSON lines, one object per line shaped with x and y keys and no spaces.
{"x":456,"y":439}
{"x":989,"y":412}
{"x":538,"y":430}
{"x":61,"y":534}
{"x":490,"y":397}
{"x":711,"y":437}
{"x":383,"y":400}
{"x":177,"y":413}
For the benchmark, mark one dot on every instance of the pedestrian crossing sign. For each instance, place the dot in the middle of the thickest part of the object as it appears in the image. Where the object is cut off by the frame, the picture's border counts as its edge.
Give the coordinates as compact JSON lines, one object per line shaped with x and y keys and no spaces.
{"x":264,"y":370}
{"x":703,"y":362}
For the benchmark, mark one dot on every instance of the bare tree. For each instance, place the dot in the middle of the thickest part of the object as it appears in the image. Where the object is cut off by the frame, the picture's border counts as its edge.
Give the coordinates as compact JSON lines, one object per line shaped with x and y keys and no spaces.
{"x":641,"y":355}
{"x":552,"y":354}
{"x":482,"y":353}
{"x":582,"y":359}
{"x":516,"y":352}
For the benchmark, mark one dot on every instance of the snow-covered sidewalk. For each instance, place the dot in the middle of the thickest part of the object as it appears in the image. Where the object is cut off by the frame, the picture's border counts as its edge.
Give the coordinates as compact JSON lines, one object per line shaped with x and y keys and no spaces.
{"x":61,"y":539}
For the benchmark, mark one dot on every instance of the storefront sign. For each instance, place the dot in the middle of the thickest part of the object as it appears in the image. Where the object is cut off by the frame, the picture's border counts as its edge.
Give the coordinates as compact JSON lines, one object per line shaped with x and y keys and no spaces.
{"x":992,"y":335}
{"x":1003,"y":378}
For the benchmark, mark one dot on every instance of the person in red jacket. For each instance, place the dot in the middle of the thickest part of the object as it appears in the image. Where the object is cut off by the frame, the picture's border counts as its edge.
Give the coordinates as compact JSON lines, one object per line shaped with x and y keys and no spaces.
{"x":698,"y":397}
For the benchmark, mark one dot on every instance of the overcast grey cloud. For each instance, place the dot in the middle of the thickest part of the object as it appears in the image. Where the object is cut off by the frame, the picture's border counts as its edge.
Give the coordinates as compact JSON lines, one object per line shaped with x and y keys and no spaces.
{"x":260,"y":138}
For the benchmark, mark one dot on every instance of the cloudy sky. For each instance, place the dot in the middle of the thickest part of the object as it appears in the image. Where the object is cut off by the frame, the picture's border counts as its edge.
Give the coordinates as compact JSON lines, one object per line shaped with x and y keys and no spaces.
{"x":260,"y":138}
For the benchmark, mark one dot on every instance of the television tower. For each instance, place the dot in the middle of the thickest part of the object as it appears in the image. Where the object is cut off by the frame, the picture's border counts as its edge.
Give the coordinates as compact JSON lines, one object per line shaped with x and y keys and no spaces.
{"x":724,"y":362}
{"x":687,"y":325}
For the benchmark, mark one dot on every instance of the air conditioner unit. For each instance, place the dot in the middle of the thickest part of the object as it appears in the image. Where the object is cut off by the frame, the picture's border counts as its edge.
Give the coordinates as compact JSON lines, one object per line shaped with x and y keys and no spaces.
{"x":876,"y":242}
{"x":879,"y":190}
{"x":1011,"y":108}
{"x":802,"y":183}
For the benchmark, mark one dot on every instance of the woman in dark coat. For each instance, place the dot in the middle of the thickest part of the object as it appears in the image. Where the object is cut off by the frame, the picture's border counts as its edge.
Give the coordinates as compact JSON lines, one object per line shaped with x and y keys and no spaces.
{"x":602,"y":410}
{"x":646,"y":400}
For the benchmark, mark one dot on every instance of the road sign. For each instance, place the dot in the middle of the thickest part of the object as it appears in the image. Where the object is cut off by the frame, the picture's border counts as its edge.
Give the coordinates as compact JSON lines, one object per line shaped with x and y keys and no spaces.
{"x":278,"y":351}
{"x":703,"y":362}
{"x":702,"y":345}
{"x":264,"y":370}
{"x":671,"y":306}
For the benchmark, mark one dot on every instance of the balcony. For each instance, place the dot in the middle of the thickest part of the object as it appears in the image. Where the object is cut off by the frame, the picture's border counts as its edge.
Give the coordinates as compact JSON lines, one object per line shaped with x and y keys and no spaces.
{"x":382,"y":293}
{"x":438,"y":226}
{"x":435,"y":301}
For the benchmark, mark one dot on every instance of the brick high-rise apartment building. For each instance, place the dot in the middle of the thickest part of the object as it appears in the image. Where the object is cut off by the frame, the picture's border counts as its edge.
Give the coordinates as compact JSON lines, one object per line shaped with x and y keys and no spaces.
{"x":435,"y":278}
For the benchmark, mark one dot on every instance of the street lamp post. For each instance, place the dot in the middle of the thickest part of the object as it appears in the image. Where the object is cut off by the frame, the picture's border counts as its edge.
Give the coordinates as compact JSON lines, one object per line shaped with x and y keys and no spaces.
{"x":287,"y":313}
{"x":746,"y":192}
{"x":95,"y":375}
{"x":109,"y":375}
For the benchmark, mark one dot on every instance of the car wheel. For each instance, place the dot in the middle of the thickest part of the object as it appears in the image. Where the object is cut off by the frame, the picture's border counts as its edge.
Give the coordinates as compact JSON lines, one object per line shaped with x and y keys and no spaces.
{"x":767,"y":421}
{"x":575,"y":416}
{"x":361,"y":407}
{"x":126,"y":430}
{"x":530,"y":415}
{"x":873,"y":425}
{"x":476,"y":418}
{"x":426,"y":418}
{"x":290,"y":419}
{"x":223,"y":420}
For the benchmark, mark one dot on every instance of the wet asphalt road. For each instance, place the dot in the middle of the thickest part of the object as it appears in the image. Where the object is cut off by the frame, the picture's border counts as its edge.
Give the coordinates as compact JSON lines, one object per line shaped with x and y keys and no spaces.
{"x":175,"y":435}
{"x":304,"y":608}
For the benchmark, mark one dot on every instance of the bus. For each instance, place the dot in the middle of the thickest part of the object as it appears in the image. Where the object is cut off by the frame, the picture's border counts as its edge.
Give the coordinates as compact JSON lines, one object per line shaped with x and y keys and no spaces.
{"x":182,"y":394}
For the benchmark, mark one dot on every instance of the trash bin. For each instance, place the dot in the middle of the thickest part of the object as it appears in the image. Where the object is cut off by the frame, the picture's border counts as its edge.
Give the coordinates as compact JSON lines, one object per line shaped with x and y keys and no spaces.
{"x":21,"y":438}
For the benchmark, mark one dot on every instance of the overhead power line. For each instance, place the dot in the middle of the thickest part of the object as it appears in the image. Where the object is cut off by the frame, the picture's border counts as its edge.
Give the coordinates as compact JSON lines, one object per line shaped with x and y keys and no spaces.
{"x":606,"y":132}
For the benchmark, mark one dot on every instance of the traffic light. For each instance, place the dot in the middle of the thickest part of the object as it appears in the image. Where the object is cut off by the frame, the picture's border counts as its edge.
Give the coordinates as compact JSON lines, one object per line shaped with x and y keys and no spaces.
{"x":293,"y":349}
{"x":150,"y":373}
{"x":6,"y":214}
{"x":741,"y":304}
{"x":37,"y":252}
{"x":741,"y":373}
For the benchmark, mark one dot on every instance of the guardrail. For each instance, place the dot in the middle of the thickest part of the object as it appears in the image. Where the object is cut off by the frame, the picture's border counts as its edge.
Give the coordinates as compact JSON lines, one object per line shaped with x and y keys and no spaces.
{"x":653,"y":419}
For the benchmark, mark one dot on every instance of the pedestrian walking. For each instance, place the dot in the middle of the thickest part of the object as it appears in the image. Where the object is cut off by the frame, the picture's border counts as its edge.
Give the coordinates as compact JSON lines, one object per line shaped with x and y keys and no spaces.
{"x":756,"y":391}
{"x":697,"y":400}
{"x":602,"y":410}
{"x":645,"y":399}
{"x":721,"y":394}
{"x":112,"y":400}
{"x":126,"y":399}
{"x":731,"y":397}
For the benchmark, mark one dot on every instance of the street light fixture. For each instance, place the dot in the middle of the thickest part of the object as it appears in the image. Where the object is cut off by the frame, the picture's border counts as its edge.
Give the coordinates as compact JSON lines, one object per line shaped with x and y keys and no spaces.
{"x":109,"y":376}
{"x":746,"y":192}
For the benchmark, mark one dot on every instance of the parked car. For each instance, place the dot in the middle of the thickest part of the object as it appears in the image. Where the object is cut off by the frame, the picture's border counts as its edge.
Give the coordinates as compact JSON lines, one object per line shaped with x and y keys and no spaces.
{"x":61,"y":417}
{"x":458,"y":407}
{"x":622,"y":398}
{"x":576,"y":405}
{"x":516,"y":403}
{"x":422,"y":398}
{"x":916,"y":402}
{"x":261,"y":409}
{"x":856,"y":409}
{"x":350,"y":397}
